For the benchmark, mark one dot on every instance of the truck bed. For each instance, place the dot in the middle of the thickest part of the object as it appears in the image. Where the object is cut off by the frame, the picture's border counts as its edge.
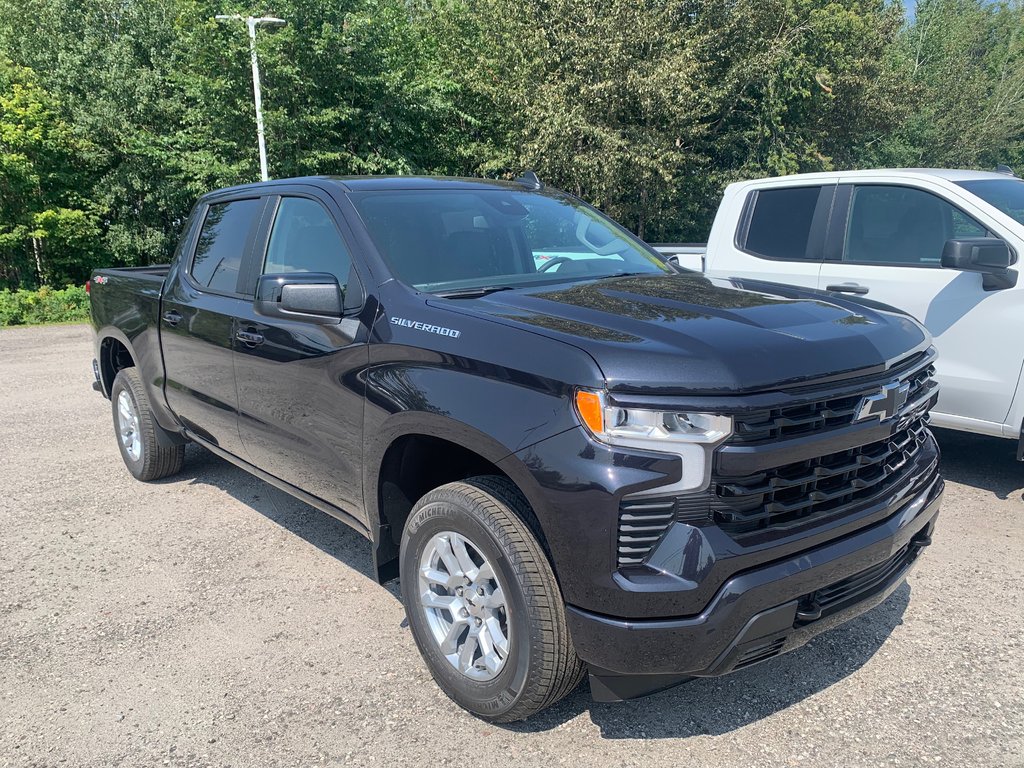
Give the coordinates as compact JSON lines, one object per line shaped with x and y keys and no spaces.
{"x":128,"y":299}
{"x":154,"y":270}
{"x":688,"y":255}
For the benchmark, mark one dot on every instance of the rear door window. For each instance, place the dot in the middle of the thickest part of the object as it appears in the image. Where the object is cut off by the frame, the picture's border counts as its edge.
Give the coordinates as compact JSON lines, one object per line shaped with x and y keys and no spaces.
{"x":780,"y":223}
{"x":222,"y":243}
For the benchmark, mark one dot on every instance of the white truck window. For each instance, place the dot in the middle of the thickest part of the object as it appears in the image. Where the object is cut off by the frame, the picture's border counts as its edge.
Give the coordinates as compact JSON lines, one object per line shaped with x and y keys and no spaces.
{"x":891,"y":224}
{"x":780,"y":223}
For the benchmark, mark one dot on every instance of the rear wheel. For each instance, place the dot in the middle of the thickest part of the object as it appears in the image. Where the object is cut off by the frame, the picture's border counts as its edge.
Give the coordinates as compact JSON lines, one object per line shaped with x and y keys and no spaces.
{"x":145,"y":455}
{"x":482,"y":601}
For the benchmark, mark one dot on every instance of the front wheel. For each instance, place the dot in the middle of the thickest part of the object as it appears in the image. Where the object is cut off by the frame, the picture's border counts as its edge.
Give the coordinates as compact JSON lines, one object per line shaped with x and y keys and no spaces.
{"x":137,"y":431}
{"x":482,"y":601}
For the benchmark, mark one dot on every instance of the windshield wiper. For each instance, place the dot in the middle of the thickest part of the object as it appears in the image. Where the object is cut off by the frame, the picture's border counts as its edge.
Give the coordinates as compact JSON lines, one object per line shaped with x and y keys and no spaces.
{"x":625,"y":274}
{"x":472,"y":293}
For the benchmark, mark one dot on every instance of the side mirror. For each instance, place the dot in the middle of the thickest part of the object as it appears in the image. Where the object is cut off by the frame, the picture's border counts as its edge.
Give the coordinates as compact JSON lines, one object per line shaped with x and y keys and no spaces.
{"x":988,"y":255}
{"x":310,"y":297}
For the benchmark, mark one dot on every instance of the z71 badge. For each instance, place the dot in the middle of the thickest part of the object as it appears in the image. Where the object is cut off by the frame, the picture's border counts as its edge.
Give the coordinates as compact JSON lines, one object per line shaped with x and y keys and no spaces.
{"x":417,"y":325}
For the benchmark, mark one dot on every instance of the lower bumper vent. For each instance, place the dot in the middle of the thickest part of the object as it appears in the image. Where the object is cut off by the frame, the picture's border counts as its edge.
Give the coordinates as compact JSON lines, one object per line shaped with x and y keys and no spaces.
{"x":644,"y":520}
{"x":760,"y":653}
{"x":852,"y":589}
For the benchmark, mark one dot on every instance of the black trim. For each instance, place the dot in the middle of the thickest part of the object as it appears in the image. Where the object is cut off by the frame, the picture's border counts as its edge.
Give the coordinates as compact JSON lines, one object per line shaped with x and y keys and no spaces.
{"x":836,"y":240}
{"x":819,"y":224}
{"x":253,"y":267}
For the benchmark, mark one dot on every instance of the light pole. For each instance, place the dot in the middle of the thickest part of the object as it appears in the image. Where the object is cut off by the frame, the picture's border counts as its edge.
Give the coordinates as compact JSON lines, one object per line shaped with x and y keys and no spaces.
{"x":251,"y":22}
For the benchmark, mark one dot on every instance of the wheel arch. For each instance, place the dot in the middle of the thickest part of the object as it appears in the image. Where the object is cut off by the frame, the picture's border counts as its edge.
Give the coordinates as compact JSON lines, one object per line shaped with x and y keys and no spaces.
{"x":418,"y":452}
{"x":113,"y":352}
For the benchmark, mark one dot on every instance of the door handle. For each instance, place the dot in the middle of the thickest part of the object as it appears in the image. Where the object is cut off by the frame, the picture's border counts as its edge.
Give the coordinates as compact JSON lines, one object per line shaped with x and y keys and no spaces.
{"x":860,"y":290}
{"x":172,"y":317}
{"x":251,"y":338}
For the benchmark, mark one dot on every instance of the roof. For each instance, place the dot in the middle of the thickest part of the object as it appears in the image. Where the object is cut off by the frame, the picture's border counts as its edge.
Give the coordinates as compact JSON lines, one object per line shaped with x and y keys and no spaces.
{"x":367,"y":183}
{"x":948,"y":174}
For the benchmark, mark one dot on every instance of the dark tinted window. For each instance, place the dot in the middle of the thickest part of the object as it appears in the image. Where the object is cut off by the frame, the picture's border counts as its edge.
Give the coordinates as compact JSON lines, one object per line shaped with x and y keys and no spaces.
{"x":780,"y":224}
{"x":903,"y":225}
{"x":222,"y":244}
{"x":305,"y":239}
{"x":1005,"y":194}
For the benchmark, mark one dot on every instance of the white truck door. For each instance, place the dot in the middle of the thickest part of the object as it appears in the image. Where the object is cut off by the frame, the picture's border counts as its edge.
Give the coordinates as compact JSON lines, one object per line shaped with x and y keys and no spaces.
{"x":772,"y":231}
{"x":885,"y":243}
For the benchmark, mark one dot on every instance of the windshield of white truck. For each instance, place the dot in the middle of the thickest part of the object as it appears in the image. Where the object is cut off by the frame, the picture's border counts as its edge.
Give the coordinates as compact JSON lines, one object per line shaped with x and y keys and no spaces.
{"x":443,"y":241}
{"x":1005,"y":194}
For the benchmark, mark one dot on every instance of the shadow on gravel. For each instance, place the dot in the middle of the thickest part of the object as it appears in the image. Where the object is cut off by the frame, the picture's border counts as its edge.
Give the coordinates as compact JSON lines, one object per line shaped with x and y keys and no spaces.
{"x":324,"y":532}
{"x":715,"y":706}
{"x":711,"y":706}
{"x":987,"y":463}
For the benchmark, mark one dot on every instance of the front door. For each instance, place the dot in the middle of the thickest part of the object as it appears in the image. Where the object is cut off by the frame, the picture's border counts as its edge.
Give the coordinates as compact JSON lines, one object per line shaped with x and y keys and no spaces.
{"x":892,"y":241}
{"x":300,"y":388}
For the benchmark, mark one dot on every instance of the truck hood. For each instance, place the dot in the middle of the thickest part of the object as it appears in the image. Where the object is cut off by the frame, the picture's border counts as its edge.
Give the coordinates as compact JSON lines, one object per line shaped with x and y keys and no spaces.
{"x":693,"y":334}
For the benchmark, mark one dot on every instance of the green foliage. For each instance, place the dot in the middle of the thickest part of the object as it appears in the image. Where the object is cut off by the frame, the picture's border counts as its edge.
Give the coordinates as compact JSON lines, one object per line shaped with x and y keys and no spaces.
{"x":48,"y":230}
{"x":964,"y":60}
{"x":649,"y":108}
{"x":115,"y":115}
{"x":47,"y":305}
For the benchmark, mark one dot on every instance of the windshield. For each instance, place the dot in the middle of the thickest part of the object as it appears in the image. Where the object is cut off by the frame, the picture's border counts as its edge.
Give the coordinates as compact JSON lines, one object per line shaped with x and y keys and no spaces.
{"x":1005,"y":194}
{"x":445,"y":240}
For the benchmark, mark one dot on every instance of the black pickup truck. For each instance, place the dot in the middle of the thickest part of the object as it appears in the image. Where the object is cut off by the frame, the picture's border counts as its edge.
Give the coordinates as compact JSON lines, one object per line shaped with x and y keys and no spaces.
{"x":576,"y":457}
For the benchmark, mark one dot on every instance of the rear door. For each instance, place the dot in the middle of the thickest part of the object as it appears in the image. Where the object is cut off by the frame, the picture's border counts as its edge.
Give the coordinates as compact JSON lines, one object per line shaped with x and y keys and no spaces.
{"x":300,"y":386}
{"x":779,"y":236}
{"x":887,"y":246}
{"x":197,"y":316}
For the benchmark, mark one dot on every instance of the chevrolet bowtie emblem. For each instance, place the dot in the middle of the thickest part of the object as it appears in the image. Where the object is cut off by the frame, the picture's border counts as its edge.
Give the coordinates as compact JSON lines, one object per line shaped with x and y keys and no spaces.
{"x":885,"y":405}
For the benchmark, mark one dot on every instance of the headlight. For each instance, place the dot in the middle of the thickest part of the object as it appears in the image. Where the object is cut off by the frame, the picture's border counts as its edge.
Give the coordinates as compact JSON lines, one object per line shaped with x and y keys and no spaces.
{"x":691,"y":436}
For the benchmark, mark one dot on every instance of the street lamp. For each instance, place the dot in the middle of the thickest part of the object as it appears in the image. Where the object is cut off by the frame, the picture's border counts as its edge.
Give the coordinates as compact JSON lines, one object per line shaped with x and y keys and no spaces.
{"x":252,"y":22}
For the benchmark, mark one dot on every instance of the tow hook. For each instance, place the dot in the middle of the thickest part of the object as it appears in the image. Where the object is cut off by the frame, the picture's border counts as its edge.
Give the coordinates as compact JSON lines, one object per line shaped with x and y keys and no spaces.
{"x":808,"y":610}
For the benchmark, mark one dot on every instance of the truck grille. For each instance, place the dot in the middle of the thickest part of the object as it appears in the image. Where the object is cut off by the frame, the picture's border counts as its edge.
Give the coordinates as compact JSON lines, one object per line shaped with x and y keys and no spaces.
{"x":806,"y":418}
{"x":746,"y":500}
{"x":826,"y":486}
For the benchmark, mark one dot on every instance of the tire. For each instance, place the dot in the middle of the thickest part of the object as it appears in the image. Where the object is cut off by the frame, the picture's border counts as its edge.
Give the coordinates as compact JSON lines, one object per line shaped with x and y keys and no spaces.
{"x":540,"y":665}
{"x":146,"y":456}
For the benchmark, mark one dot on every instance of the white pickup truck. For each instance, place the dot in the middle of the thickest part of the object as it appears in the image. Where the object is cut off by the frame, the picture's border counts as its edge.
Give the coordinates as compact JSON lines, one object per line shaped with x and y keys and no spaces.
{"x":941,"y":245}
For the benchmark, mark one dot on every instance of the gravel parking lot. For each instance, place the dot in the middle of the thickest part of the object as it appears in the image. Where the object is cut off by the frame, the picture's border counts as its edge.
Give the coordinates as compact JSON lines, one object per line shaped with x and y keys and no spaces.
{"x":213,"y":620}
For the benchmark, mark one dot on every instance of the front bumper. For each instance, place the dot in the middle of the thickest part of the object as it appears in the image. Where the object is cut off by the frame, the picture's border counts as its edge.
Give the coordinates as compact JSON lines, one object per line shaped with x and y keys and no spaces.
{"x":759,"y":613}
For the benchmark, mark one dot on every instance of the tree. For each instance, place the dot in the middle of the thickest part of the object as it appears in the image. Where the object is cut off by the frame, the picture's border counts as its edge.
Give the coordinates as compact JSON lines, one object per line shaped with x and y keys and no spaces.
{"x":965,"y":60}
{"x":164,"y":93}
{"x":49,"y":233}
{"x":117,"y":114}
{"x":648,"y":108}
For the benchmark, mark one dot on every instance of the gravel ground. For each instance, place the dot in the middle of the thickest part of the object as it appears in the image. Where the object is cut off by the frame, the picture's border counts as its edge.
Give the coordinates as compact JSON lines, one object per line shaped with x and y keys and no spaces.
{"x":213,"y":620}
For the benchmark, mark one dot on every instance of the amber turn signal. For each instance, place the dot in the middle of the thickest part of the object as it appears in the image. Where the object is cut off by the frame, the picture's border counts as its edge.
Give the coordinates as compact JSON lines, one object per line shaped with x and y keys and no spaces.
{"x":591,"y":410}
